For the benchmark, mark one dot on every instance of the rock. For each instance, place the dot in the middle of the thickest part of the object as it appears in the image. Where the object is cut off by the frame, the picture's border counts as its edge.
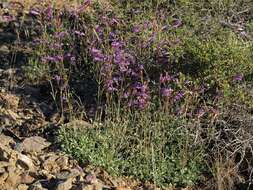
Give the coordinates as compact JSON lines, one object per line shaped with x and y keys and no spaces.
{"x":63,"y":175}
{"x":46,"y":174}
{"x":25,"y":162}
{"x":37,"y":186}
{"x":3,"y":177}
{"x":49,"y":163}
{"x":68,"y":174}
{"x":4,"y":49}
{"x":65,"y":185}
{"x":123,"y":188}
{"x":99,"y":186}
{"x":6,"y":141}
{"x":2,"y":170}
{"x":4,"y":164}
{"x":22,"y":187}
{"x":4,"y":156}
{"x":9,"y":101}
{"x":34,"y":144}
{"x":85,"y":187}
{"x":13,"y":115}
{"x":26,"y":178}
{"x":62,"y":162}
{"x":13,"y":180}
{"x":12,"y":169}
{"x":95,"y":186}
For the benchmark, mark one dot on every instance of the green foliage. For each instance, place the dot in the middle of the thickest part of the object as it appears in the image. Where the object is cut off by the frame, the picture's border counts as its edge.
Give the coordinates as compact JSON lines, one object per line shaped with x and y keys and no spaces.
{"x":159,"y":149}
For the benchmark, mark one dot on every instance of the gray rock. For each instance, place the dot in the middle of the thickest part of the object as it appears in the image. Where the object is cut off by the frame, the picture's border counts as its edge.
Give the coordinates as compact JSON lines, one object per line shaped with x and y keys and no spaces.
{"x":68,"y":174}
{"x":34,"y":144}
{"x":4,"y":49}
{"x":36,"y":186}
{"x":25,"y":162}
{"x":65,"y":185}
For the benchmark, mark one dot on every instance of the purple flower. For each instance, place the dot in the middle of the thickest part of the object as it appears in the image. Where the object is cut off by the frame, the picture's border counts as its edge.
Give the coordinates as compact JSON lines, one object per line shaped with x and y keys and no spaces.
{"x":8,"y":18}
{"x":117,"y":45}
{"x":140,"y":87}
{"x":49,"y":13}
{"x":146,"y":24}
{"x":37,"y":42}
{"x":179,"y":96}
{"x":72,"y":60}
{"x":105,"y":69}
{"x":57,"y":58}
{"x":34,"y":12}
{"x":201,"y":89}
{"x":57,"y":78}
{"x":126,"y":95}
{"x":165,"y":27}
{"x":112,"y":36}
{"x":149,"y":41}
{"x":176,"y":23}
{"x":98,"y":29}
{"x":78,"y":33}
{"x":104,"y":20}
{"x":97,"y":55}
{"x":136,"y":29}
{"x":61,"y":34}
{"x":166,"y":92}
{"x":112,"y":85}
{"x":238,"y":77}
{"x":165,"y":78}
{"x":140,"y":96}
{"x":123,"y":60}
{"x":55,"y":46}
{"x":114,"y":21}
{"x":83,"y":6}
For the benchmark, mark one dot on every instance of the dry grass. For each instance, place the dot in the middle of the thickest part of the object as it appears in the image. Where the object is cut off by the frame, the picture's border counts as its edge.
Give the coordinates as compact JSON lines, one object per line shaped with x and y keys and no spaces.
{"x":70,"y":4}
{"x":226,"y":173}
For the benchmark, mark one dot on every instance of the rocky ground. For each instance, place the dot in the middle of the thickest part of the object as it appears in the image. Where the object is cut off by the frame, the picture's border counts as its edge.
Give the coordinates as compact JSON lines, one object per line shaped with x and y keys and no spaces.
{"x":29,"y":161}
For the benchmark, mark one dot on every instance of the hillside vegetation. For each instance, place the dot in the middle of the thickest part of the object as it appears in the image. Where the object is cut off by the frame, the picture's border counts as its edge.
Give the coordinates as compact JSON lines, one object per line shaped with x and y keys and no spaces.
{"x":166,"y":85}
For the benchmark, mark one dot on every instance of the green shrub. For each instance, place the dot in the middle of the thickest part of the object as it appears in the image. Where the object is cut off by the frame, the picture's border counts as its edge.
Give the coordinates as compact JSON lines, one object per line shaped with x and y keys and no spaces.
{"x":151,"y":148}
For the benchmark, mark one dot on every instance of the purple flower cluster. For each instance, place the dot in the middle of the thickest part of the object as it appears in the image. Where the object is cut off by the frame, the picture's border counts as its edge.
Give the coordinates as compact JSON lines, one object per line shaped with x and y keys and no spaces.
{"x":119,"y":70}
{"x":176,"y":23}
{"x":238,"y":77}
{"x":165,"y":78}
{"x":48,"y":13}
{"x":140,"y":97}
{"x":61,"y":34}
{"x":166,"y":92}
{"x":55,"y":59}
{"x":170,"y":88}
{"x":79,"y":33}
{"x":113,"y":84}
{"x":179,"y":96}
{"x":98,"y":55}
{"x":59,"y":58}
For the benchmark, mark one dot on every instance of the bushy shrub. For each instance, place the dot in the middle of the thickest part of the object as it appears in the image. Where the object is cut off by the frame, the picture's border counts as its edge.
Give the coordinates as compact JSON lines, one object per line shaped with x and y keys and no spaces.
{"x":157,"y":149}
